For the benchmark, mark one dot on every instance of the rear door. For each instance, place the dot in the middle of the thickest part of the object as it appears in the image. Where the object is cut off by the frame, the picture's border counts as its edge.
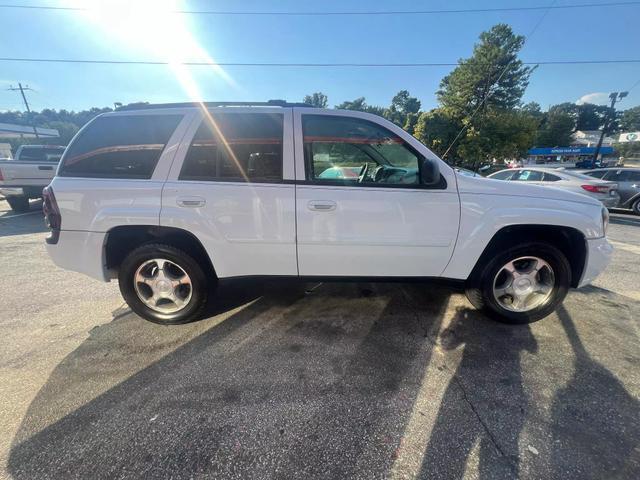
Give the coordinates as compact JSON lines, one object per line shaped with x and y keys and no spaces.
{"x":376,"y":219}
{"x":231,"y":185}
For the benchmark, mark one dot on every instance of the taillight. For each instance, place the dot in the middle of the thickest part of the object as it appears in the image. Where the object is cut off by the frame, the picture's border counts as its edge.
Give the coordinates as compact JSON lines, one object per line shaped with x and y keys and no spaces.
{"x":596,"y":188}
{"x":52,"y":216}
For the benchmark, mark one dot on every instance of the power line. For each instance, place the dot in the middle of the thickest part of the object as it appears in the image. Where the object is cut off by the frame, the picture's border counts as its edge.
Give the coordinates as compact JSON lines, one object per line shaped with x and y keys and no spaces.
{"x":352,"y":13}
{"x":294,"y":64}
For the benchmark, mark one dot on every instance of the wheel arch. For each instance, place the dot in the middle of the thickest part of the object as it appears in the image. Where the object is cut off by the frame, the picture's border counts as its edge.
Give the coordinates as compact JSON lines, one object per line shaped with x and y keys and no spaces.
{"x":125,"y":238}
{"x":570,"y":241}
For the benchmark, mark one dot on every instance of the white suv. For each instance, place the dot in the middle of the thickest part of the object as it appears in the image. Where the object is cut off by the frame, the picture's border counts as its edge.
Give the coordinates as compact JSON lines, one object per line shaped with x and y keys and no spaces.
{"x":172,"y":199}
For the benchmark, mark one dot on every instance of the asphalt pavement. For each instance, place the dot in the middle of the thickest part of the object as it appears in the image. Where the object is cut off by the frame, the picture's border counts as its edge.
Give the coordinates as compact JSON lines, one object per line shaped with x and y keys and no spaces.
{"x":290,"y":380}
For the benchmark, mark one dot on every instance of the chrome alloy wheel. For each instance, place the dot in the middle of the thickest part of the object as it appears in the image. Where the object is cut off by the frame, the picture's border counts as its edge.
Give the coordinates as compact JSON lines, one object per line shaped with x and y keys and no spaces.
{"x":523,"y":284}
{"x":163,"y":285}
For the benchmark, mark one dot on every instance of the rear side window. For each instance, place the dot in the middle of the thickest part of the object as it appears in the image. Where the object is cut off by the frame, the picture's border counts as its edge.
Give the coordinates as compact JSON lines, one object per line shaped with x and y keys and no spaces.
{"x":119,"y":146}
{"x":503,"y":175}
{"x":596,"y":173}
{"x":39,"y":154}
{"x":244,"y":147}
{"x":550,"y":177}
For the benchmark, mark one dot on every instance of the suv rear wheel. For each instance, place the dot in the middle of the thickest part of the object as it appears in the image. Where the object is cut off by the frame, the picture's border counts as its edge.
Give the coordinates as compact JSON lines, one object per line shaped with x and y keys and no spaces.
{"x":523,"y":284}
{"x":636,"y":207}
{"x":163,"y":284}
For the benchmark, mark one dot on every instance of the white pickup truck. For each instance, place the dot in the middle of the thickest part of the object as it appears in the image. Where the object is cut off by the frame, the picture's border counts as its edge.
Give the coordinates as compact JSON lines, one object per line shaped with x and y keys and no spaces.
{"x":28,"y":173}
{"x":172,"y":199}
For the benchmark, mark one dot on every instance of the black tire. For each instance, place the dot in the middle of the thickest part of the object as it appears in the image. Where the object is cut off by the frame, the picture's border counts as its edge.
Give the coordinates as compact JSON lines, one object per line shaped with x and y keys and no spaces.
{"x":636,"y":207}
{"x":19,"y":204}
{"x":199,"y":285}
{"x":479,"y":288}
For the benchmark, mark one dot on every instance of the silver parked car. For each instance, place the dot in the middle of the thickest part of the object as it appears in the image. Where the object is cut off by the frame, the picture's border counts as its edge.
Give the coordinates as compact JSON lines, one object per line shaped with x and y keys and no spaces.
{"x":628,"y":180}
{"x":606,"y":192}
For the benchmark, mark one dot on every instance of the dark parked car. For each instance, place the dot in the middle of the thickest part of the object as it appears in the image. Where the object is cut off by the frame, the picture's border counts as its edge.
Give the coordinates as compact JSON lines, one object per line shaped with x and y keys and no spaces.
{"x":628,"y":180}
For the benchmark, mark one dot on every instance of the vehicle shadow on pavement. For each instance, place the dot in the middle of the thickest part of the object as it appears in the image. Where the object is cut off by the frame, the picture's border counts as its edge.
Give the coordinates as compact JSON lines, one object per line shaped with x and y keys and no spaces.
{"x":288,"y":385}
{"x":489,"y":382}
{"x":12,"y":223}
{"x":595,"y":421}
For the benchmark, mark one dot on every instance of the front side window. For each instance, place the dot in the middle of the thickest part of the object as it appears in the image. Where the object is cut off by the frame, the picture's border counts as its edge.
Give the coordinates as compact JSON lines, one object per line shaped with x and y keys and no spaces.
{"x":352,"y":151}
{"x":236,"y":147}
{"x":119,"y":146}
{"x":629,"y":176}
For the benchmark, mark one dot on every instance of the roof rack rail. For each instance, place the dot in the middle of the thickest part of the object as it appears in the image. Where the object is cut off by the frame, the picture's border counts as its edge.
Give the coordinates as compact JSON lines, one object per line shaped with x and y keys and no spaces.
{"x":270,"y":103}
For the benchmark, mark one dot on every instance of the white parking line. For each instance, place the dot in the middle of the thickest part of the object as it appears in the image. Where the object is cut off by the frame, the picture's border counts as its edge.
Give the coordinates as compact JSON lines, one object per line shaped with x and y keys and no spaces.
{"x":626,"y":246}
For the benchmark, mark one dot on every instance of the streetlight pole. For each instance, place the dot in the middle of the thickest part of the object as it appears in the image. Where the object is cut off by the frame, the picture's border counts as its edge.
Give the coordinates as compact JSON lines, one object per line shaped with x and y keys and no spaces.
{"x":614,"y":96}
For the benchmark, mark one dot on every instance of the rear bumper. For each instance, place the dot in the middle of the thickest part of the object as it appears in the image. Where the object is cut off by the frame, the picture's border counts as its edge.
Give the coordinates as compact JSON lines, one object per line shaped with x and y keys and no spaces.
{"x":11,"y":191}
{"x":28,"y":190}
{"x":611,"y":202}
{"x":81,"y":252}
{"x":599,"y":252}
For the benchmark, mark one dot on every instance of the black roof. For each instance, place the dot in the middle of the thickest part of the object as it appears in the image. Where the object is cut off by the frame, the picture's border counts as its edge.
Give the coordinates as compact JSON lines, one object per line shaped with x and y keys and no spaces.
{"x":270,"y":103}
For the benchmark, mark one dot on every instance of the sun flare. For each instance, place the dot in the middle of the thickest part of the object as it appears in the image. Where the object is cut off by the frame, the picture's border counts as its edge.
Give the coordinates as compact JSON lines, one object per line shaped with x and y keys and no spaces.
{"x":155,"y":29}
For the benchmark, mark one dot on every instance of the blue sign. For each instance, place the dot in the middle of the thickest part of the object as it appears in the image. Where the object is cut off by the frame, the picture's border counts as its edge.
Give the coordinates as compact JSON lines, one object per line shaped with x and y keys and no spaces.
{"x":570,"y":151}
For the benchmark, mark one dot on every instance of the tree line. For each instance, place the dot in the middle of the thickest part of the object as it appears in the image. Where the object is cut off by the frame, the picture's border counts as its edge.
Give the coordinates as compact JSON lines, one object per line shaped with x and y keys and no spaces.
{"x":480,"y":114}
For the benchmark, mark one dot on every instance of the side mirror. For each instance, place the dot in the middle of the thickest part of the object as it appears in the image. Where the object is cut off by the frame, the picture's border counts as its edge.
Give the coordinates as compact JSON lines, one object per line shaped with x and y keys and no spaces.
{"x":430,"y":172}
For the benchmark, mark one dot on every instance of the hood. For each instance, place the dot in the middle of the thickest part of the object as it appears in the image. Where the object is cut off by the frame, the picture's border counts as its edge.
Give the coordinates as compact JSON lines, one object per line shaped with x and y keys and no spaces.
{"x":489,"y":186}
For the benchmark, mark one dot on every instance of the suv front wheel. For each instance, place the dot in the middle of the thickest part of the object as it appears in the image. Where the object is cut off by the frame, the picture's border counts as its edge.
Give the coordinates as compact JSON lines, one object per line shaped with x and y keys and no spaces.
{"x":523,"y":284}
{"x":163,"y":284}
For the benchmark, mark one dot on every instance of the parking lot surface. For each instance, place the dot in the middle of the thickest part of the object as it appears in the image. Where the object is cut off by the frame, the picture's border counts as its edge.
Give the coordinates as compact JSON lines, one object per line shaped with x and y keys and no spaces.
{"x":314,"y":381}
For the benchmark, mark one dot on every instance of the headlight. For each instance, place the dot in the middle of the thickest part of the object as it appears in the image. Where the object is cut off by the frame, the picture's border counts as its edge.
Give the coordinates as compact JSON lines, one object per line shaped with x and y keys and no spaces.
{"x":605,"y":220}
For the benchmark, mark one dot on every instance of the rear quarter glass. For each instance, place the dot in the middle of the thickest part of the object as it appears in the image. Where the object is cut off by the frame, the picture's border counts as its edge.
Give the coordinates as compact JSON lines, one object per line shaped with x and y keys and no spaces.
{"x":122,"y":146}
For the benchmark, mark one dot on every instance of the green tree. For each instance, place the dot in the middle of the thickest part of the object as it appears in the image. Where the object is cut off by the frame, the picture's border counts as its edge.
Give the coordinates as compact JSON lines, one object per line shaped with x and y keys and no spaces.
{"x":630,"y":120}
{"x":493,"y":77}
{"x":555,"y":130}
{"x":403,"y":110}
{"x":317,"y":99}
{"x":361,"y":105}
{"x":437,"y":129}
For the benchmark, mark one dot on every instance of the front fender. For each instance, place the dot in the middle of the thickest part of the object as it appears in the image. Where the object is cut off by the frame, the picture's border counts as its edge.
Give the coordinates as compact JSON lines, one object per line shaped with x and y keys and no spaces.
{"x":482,"y":216}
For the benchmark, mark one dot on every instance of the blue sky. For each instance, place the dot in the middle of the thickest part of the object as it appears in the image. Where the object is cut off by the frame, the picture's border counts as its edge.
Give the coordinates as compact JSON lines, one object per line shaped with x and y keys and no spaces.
{"x":151,"y":32}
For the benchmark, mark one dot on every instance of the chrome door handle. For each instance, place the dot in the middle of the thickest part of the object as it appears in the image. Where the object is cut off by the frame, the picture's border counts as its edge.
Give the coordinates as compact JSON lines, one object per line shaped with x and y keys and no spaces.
{"x":192,"y":202}
{"x":321,"y":205}
{"x":44,"y":167}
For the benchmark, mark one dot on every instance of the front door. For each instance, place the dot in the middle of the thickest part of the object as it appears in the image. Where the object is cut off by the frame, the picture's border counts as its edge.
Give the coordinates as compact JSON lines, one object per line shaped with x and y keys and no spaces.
{"x":361,"y":209}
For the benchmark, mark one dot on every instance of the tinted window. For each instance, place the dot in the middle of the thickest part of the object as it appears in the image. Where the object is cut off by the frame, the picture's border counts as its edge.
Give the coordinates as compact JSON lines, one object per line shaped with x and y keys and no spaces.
{"x":528,"y":176}
{"x":596,"y":173}
{"x":355,"y":151}
{"x":629,"y":176}
{"x":503,"y":175}
{"x":236,"y":146}
{"x":550,"y":177}
{"x":38,"y":154}
{"x":119,"y":146}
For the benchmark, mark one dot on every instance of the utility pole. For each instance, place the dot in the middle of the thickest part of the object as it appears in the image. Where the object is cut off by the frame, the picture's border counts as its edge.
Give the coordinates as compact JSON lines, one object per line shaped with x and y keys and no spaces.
{"x":21,"y":89}
{"x":614,"y":96}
